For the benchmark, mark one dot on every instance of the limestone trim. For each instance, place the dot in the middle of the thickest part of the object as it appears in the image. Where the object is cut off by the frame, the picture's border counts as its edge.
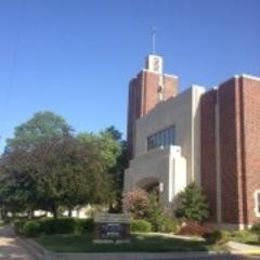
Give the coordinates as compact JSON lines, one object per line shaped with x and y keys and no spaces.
{"x":152,"y":72}
{"x":257,"y":203}
{"x":250,"y":77}
{"x":170,"y":76}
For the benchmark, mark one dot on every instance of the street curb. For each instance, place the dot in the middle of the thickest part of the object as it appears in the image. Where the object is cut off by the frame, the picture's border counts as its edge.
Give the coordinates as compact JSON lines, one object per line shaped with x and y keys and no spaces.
{"x":138,"y":255}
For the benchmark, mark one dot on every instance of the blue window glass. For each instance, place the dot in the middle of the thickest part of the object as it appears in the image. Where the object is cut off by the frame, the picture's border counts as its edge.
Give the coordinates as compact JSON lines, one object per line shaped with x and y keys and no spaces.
{"x":165,"y":137}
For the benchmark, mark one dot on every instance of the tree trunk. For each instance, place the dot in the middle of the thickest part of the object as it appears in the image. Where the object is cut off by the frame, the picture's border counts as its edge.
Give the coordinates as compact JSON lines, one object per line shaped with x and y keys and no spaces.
{"x":30,"y":213}
{"x":70,"y":213}
{"x":54,"y":211}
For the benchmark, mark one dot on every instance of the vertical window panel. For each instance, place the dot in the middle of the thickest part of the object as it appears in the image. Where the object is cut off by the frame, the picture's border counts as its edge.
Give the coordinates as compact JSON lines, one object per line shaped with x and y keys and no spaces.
{"x":258,"y":202}
{"x":163,"y":138}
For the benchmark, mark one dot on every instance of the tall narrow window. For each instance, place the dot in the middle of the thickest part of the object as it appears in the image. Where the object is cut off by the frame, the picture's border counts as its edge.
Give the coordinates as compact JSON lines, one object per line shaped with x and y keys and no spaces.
{"x":257,"y":203}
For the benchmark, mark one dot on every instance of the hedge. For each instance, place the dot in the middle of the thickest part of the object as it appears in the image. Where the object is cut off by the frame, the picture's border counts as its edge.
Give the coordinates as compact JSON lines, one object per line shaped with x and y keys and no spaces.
{"x":50,"y":226}
{"x":140,"y":225}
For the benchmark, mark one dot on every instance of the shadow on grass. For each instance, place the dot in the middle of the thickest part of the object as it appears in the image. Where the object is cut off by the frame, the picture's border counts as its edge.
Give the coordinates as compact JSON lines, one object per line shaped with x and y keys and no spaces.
{"x":254,"y":243}
{"x":139,"y":243}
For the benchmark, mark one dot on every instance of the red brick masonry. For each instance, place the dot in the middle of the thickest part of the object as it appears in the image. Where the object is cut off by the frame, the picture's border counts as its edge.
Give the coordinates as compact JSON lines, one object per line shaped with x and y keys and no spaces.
{"x":143,"y":97}
{"x":239,"y":147}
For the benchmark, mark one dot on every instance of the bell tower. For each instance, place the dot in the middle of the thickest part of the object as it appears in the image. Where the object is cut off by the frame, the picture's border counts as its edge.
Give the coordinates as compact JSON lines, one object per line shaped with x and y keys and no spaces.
{"x":146,"y":90}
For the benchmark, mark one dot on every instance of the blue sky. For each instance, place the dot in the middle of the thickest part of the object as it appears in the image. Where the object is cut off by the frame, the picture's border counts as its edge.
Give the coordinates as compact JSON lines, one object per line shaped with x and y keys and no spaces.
{"x":76,"y":57}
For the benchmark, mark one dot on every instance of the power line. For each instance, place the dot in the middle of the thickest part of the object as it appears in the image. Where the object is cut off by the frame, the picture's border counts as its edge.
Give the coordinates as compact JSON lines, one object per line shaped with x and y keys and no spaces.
{"x":13,"y":67}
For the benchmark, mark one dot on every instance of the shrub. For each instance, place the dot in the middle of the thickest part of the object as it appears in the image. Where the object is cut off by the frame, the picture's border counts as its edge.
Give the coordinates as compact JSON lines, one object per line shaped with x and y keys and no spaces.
{"x":32,"y":228}
{"x":217,"y":237}
{"x":140,"y":225}
{"x":136,"y":202}
{"x":256,"y":228}
{"x":58,"y":225}
{"x":244,"y":236}
{"x":169,"y":225}
{"x":155,"y":213}
{"x":18,"y":226}
{"x":192,"y":204}
{"x":193,"y":229}
{"x":84,"y":226}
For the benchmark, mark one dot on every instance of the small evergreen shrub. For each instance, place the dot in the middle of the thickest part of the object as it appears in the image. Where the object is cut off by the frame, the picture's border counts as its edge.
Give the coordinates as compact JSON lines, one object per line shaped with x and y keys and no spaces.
{"x":155,"y":214}
{"x":159,"y":219}
{"x":58,"y":226}
{"x":84,"y":226}
{"x":32,"y":228}
{"x":193,"y":229}
{"x":140,"y":225}
{"x":256,"y":228}
{"x":192,"y":204}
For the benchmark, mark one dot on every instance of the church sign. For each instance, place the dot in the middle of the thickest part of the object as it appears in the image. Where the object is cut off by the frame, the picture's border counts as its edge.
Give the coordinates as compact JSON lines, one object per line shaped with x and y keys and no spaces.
{"x":112,"y":228}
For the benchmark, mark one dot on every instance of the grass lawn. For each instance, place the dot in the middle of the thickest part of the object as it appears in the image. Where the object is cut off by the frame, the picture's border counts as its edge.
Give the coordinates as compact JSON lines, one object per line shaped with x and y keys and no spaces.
{"x":139,"y":243}
{"x":246,"y":237}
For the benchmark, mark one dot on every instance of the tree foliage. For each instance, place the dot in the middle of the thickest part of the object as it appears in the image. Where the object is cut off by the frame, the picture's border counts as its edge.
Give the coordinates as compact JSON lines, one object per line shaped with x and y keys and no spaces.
{"x":192,"y":204}
{"x":42,"y":127}
{"x":46,"y":167}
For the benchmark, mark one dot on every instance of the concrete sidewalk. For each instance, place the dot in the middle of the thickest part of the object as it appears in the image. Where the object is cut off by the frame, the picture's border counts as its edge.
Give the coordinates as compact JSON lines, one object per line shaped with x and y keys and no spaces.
{"x":146,"y":256}
{"x":244,"y":249}
{"x":11,"y":248}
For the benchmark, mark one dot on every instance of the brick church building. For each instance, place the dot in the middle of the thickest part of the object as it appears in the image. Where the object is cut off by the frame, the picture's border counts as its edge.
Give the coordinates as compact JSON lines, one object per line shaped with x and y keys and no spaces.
{"x":211,"y":137}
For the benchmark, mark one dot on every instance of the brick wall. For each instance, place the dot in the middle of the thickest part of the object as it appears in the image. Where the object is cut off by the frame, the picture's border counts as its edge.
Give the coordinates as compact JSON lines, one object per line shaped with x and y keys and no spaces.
{"x":170,"y":86}
{"x":143,"y":97}
{"x":250,"y":96}
{"x":208,"y":150}
{"x":229,"y":147}
{"x":239,"y":147}
{"x":150,"y":86}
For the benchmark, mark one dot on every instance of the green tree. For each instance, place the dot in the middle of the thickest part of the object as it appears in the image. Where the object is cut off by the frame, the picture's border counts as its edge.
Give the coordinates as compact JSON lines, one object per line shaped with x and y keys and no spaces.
{"x":106,"y":146}
{"x":40,"y":128}
{"x":19,"y":185}
{"x":117,"y":171}
{"x":17,"y":188}
{"x":108,"y":150}
{"x":68,"y":174}
{"x":192,"y":204}
{"x":46,"y":167}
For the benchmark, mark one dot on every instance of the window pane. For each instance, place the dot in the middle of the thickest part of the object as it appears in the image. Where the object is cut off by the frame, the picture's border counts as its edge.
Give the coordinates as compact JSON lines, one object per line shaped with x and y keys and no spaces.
{"x":173,"y":135}
{"x":152,"y":142}
{"x":168,"y":140}
{"x":163,"y":138}
{"x":160,"y":139}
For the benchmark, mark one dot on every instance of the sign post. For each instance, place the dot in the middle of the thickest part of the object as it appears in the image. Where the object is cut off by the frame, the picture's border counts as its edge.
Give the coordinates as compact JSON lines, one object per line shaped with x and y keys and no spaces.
{"x":112,"y":228}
